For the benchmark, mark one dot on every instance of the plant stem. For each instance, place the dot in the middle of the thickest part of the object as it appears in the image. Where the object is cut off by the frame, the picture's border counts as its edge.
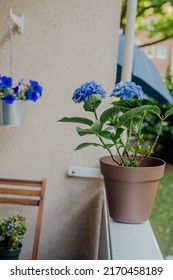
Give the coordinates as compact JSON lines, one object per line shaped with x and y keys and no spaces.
{"x":158,"y":134}
{"x":129,"y":132}
{"x":95,"y":114}
{"x":140,"y":127}
{"x":121,"y":157}
{"x":111,"y":154}
{"x":139,"y":132}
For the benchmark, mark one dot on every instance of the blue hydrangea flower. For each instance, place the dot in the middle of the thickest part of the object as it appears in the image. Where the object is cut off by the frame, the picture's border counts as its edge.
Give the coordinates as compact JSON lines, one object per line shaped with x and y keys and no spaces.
{"x":127,"y":90}
{"x":9,"y":99}
{"x":6,"y":82}
{"x":82,"y":93}
{"x":35,"y":87}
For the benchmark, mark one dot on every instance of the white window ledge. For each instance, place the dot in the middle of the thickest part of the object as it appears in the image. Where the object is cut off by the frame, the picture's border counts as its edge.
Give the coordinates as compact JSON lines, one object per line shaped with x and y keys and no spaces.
{"x":121,"y":241}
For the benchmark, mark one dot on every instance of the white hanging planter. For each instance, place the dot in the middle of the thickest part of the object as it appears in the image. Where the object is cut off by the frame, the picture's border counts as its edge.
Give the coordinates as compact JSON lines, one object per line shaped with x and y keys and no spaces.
{"x":12,"y":114}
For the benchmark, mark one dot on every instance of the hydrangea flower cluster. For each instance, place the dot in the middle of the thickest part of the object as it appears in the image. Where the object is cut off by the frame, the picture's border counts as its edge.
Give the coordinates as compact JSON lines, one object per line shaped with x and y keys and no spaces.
{"x":22,"y":91}
{"x":127,"y":90}
{"x":83,"y":92}
{"x":12,"y":229}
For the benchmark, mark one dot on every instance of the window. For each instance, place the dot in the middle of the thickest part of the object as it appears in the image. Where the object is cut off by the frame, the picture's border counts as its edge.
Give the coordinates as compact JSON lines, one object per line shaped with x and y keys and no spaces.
{"x":161,"y":52}
{"x":150,"y":51}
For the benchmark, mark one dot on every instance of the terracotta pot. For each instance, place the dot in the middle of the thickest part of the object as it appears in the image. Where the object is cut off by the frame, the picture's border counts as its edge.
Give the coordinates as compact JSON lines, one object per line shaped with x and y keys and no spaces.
{"x":131,"y":191}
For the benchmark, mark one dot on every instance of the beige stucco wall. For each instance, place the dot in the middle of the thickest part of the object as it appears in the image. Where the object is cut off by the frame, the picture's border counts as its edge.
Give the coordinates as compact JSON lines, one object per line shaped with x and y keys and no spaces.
{"x":65,"y":43}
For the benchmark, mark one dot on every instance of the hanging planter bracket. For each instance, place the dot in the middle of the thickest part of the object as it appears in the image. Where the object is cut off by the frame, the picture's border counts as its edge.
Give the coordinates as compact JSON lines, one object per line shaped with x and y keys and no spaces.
{"x":18,"y":20}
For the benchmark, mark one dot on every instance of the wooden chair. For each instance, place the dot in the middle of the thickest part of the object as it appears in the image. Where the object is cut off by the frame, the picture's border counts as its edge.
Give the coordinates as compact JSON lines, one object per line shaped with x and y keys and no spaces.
{"x":25,"y":192}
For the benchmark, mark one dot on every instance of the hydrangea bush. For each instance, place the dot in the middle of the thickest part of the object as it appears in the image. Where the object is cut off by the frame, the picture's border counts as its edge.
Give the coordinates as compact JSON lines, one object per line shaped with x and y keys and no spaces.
{"x":12,"y":229}
{"x":9,"y":93}
{"x":126,"y":113}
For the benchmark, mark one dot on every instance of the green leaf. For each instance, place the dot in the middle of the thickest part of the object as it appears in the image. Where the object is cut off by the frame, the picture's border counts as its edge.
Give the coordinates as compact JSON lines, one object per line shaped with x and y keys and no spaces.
{"x":135,"y":123}
{"x":84,"y":145}
{"x":106,"y":134}
{"x":134,"y":112}
{"x":149,"y":149}
{"x":139,"y":149}
{"x":133,"y":163}
{"x":155,"y":110}
{"x":97,"y":126}
{"x":95,"y":129}
{"x":92,"y":102}
{"x":108,"y":146}
{"x":118,"y":133}
{"x":168,"y":113}
{"x":148,"y":102}
{"x":109,"y":113}
{"x":128,"y":103}
{"x":77,"y":120}
{"x":140,"y":137}
{"x":111,"y":136}
{"x":83,"y":132}
{"x":129,"y":148}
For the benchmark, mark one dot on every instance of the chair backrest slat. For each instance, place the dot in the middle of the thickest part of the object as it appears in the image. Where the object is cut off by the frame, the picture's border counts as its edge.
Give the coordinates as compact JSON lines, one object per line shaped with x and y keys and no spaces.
{"x":27,"y":192}
{"x":9,"y":200}
{"x":19,"y":182}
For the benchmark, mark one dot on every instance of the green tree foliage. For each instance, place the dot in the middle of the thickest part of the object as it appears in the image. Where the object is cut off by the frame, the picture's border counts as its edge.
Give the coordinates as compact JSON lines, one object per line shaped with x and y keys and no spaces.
{"x":164,"y":145}
{"x":169,"y":80}
{"x":153,"y":16}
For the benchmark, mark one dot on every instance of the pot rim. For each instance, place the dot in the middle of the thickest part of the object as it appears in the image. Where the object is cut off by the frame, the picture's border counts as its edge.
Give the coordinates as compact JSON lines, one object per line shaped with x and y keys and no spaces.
{"x":112,"y":163}
{"x":19,"y":247}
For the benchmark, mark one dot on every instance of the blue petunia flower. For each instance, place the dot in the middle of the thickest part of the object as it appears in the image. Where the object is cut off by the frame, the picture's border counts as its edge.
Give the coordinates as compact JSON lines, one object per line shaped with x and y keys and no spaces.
{"x":35,"y":87}
{"x":82,"y":93}
{"x":32,"y":95}
{"x":21,"y":91}
{"x":9,"y":99}
{"x":6,"y":82}
{"x":14,"y":225}
{"x":127,"y":90}
{"x":16,"y":89}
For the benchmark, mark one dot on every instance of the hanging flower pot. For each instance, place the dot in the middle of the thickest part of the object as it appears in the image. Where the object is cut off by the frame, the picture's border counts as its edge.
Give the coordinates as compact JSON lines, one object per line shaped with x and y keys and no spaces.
{"x":13,"y":99}
{"x":131,"y":191}
{"x":12,"y":114}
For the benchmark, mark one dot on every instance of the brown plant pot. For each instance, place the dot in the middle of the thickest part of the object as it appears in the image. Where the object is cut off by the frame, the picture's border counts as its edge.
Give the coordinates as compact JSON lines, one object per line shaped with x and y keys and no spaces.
{"x":131,"y":191}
